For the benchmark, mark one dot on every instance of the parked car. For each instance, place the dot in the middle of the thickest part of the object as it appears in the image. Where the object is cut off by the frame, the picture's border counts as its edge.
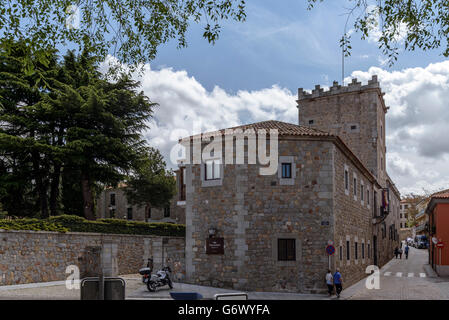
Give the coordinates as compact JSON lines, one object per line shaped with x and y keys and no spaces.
{"x":421,"y":242}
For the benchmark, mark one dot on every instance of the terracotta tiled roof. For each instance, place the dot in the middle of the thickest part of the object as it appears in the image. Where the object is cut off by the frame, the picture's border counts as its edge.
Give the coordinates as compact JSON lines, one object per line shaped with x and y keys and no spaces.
{"x":444,"y":195}
{"x":284,"y":129}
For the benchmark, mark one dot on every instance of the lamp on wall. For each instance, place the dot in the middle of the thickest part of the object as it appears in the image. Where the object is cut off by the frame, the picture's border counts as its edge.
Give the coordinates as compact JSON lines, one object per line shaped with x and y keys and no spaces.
{"x":212,"y":232}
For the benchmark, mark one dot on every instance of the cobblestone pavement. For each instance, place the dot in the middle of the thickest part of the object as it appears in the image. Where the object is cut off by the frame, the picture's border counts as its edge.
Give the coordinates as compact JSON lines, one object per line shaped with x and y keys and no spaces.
{"x":402,"y":279}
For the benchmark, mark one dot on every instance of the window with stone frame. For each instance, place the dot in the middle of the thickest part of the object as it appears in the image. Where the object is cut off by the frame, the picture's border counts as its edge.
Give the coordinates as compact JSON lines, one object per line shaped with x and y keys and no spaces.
{"x":356,"y":250}
{"x":355,"y":187}
{"x":369,"y":251}
{"x":362,"y":191}
{"x":129,"y":213}
{"x":212,"y":170}
{"x":112,"y":199}
{"x":286,"y":170}
{"x":348,"y":250}
{"x":363,"y":250}
{"x":367,"y":197}
{"x":341,"y":253}
{"x":346,"y":180}
{"x":286,"y":249}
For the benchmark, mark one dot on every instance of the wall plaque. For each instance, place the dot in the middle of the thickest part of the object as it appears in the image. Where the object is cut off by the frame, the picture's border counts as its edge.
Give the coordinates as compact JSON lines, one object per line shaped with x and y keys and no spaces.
{"x":215,"y":246}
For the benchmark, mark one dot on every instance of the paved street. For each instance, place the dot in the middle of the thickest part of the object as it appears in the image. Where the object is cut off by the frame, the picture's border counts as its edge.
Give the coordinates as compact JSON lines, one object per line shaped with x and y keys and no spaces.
{"x":403,"y":279}
{"x":400,"y":279}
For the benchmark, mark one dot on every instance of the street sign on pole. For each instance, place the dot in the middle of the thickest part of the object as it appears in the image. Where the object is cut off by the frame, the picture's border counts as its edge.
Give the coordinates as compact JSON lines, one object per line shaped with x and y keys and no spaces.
{"x":440,"y":244}
{"x":330,"y":249}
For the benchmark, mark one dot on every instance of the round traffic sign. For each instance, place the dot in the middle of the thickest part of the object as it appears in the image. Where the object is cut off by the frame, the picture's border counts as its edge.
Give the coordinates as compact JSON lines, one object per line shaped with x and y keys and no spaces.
{"x":330,"y":249}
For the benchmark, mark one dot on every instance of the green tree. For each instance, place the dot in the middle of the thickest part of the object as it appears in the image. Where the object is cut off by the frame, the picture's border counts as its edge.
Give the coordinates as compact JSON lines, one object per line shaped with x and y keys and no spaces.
{"x":66,"y":132}
{"x":105,"y":122}
{"x":131,"y":30}
{"x":150,"y":182}
{"x":24,"y":137}
{"x":410,"y":24}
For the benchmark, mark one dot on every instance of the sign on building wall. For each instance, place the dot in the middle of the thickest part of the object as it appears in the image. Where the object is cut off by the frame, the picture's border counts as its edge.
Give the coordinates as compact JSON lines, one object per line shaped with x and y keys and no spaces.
{"x":215,"y":246}
{"x":386,"y":200}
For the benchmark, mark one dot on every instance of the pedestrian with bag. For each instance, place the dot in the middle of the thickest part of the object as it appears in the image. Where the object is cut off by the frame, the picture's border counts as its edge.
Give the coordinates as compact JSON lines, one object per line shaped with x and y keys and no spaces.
{"x":330,"y":282}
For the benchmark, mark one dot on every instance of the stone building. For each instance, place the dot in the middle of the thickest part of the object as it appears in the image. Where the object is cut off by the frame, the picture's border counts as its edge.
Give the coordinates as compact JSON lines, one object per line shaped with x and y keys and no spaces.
{"x":331,"y":187}
{"x":406,"y":205}
{"x":112,"y":203}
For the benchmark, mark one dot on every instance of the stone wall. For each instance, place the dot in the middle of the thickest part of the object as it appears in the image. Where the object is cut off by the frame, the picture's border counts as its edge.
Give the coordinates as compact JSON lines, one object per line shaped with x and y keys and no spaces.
{"x":37,"y":256}
{"x":139,"y":213}
{"x":252,"y":211}
{"x":353,"y":221}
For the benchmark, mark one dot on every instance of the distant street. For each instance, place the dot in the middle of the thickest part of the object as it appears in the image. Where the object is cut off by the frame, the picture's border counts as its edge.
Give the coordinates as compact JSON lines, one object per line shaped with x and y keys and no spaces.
{"x":403,"y":279}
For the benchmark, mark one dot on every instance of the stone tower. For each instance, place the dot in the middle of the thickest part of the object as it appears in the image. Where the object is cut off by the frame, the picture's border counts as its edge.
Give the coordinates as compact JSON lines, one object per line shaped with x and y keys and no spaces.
{"x":355,"y":113}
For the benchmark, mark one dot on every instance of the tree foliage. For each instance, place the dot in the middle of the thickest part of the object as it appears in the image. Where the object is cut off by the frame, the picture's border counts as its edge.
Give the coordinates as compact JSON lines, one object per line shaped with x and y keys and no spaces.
{"x":131,"y":30}
{"x":407,"y":24}
{"x":66,"y":132}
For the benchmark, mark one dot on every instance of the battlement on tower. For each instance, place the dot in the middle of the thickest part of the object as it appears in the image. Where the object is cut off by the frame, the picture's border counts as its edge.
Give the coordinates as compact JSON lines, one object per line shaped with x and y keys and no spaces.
{"x":337,"y":89}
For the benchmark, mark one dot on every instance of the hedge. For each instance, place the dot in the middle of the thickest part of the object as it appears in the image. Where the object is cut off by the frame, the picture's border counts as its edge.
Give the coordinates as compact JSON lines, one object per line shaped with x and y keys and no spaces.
{"x":66,"y":223}
{"x":32,"y":224}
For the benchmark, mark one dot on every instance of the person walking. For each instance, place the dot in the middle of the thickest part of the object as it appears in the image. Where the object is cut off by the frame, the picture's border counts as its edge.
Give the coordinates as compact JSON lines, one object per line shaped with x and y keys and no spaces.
{"x":338,"y":282}
{"x":396,"y":252}
{"x":400,"y":253}
{"x":330,"y":282}
{"x":406,"y":251}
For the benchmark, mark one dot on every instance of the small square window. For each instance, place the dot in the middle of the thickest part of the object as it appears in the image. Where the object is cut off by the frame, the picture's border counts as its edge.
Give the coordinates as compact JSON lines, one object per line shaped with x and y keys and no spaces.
{"x":286,"y":249}
{"x":311,"y":121}
{"x":353,"y":127}
{"x":286,"y":170}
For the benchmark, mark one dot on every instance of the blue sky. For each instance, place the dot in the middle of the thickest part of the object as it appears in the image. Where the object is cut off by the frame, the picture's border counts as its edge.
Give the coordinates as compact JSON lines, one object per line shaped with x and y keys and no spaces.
{"x":281,"y":43}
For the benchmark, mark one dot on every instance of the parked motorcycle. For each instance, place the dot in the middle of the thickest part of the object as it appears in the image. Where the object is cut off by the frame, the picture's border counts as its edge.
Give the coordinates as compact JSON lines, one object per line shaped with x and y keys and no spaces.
{"x":161,"y":278}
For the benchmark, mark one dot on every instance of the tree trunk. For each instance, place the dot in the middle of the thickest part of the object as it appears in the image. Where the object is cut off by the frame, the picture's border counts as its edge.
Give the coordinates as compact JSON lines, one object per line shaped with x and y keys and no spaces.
{"x":88,"y":202}
{"x":54,"y":189}
{"x":41,"y":190}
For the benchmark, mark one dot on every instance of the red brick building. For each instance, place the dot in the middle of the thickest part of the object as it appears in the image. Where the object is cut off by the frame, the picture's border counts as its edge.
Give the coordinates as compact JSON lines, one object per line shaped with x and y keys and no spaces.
{"x":438,"y":211}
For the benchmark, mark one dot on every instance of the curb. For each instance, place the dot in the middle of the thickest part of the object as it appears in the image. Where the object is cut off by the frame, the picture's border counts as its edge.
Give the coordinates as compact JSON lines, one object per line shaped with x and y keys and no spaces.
{"x":32,"y":285}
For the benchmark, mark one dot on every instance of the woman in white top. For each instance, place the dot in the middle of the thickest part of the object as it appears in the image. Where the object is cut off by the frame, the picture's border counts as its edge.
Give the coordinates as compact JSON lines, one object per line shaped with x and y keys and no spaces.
{"x":330,"y":282}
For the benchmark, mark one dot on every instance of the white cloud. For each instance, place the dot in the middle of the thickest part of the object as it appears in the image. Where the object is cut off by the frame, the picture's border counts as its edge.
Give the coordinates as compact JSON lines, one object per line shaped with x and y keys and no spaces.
{"x":417,"y":130}
{"x":186,"y":107}
{"x":417,"y":124}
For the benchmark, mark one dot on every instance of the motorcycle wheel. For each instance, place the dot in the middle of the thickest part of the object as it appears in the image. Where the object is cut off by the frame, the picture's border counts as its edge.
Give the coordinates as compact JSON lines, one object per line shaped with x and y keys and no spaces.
{"x":151,"y":286}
